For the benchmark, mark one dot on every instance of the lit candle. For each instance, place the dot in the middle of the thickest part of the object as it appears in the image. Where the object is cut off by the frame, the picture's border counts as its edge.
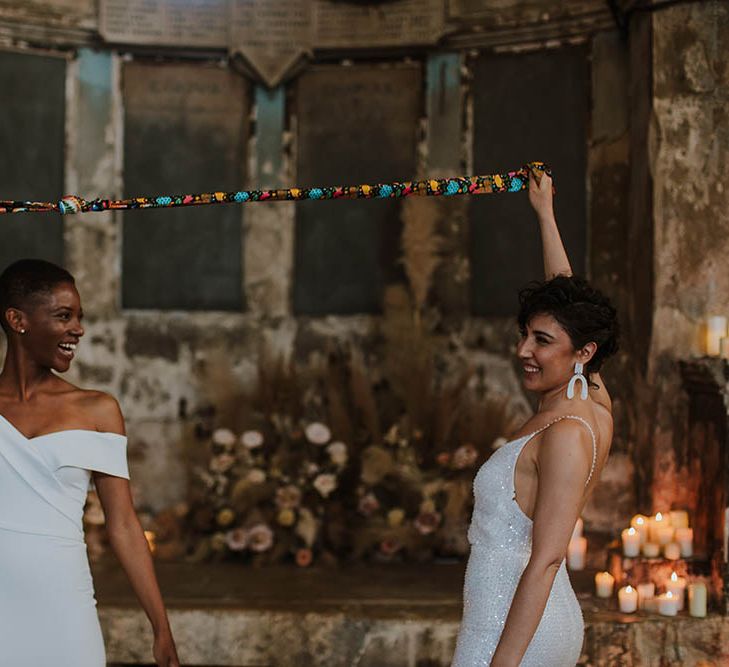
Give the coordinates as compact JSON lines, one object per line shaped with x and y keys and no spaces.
{"x":697,"y":600}
{"x":656,"y":523}
{"x":577,"y":553}
{"x":631,"y":542}
{"x":151,"y":541}
{"x":640,"y":523}
{"x":685,"y":539}
{"x":664,"y":535}
{"x":604,"y":582}
{"x":715,"y":331}
{"x":645,"y":592}
{"x":651,"y":550}
{"x":577,"y":531}
{"x":667,"y":604}
{"x":628,"y":599}
{"x":677,"y":586}
{"x":679,"y":519}
{"x":672,"y":551}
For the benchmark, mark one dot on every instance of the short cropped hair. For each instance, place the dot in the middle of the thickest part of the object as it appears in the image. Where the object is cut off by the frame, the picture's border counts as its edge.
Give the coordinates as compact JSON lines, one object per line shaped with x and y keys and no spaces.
{"x":25,"y":281}
{"x":583,"y":312}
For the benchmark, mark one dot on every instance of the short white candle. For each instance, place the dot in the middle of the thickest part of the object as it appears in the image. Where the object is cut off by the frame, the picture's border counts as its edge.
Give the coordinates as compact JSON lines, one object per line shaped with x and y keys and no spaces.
{"x":646,"y":592}
{"x":664,"y":535}
{"x":667,"y":604}
{"x":677,"y":586}
{"x":697,"y":600}
{"x":627,"y":599}
{"x":672,"y":551}
{"x":651,"y":550}
{"x":577,"y":553}
{"x":604,"y":582}
{"x":577,"y":532}
{"x":715,"y":331}
{"x":631,"y":542}
{"x":679,"y":519}
{"x":685,"y":539}
{"x":650,"y":605}
{"x":640,"y":523}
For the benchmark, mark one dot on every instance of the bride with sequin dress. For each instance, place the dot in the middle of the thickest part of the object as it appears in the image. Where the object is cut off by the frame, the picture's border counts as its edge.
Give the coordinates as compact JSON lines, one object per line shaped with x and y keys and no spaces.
{"x":519,"y":607}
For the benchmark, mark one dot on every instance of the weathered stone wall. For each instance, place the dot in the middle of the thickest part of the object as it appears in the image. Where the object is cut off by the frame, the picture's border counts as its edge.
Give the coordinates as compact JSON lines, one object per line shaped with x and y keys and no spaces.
{"x":689,"y":160}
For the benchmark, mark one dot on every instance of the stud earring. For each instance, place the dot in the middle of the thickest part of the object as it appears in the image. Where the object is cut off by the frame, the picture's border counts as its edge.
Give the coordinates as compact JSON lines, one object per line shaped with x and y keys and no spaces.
{"x":583,"y":380}
{"x":22,"y":331}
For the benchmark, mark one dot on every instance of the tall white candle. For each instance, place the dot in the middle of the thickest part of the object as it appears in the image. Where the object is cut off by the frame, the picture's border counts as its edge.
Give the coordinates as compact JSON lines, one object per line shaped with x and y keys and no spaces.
{"x":640,"y":523}
{"x":577,"y":553}
{"x":627,"y":599}
{"x":655,"y":524}
{"x":667,"y":604}
{"x":697,"y":600}
{"x":677,"y":586}
{"x":715,"y":331}
{"x":631,"y":542}
{"x":604,"y":582}
{"x":646,"y":592}
{"x":685,"y":539}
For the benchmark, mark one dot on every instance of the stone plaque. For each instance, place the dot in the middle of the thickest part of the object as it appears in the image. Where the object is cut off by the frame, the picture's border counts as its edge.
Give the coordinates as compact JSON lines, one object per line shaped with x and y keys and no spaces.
{"x":356,"y":125}
{"x":526,"y":108}
{"x":341,"y":25}
{"x":201,"y":23}
{"x":185,"y":131}
{"x":32,"y":135}
{"x":271,"y":34}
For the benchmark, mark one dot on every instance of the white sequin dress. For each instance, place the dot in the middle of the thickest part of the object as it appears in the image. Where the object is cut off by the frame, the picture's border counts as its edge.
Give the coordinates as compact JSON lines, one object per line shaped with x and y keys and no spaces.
{"x":501,"y":542}
{"x":47,"y":606}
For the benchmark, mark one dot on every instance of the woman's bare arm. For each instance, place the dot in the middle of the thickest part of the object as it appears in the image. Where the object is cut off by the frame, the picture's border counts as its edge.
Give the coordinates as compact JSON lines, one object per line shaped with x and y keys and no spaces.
{"x":563,"y":463}
{"x":555,"y":257}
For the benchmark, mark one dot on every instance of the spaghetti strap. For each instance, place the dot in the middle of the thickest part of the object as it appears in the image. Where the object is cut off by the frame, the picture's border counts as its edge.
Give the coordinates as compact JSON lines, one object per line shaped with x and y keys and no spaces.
{"x":592,"y":435}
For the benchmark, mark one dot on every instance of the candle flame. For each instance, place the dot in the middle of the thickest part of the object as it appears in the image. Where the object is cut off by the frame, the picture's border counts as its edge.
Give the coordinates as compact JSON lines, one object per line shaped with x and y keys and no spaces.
{"x":669,"y":594}
{"x":640,"y":521}
{"x":659,"y":517}
{"x":631,"y":531}
{"x":628,"y":589}
{"x":674,"y":577}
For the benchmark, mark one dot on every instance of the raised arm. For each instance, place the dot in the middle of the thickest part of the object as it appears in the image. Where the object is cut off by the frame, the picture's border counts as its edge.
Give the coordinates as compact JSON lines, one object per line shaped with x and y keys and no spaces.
{"x":556,"y":261}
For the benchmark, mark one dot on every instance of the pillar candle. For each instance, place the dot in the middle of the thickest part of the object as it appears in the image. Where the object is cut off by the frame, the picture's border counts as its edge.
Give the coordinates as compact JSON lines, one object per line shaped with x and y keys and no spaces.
{"x":577,"y":532}
{"x":697,"y":600}
{"x":656,"y":523}
{"x":646,"y":592}
{"x":640,"y":523}
{"x":677,"y":586}
{"x":631,"y":542}
{"x":628,"y":599}
{"x":679,"y":519}
{"x":651,"y":550}
{"x":667,"y":604}
{"x":604,"y":582}
{"x":576,"y":553}
{"x":715,"y":331}
{"x":664,"y":535}
{"x":672,"y":551}
{"x":685,"y":539}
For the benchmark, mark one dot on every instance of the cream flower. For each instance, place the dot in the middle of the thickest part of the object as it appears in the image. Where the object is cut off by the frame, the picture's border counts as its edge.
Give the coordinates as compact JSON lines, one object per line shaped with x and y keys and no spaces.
{"x":218,"y":542}
{"x":286,"y":518}
{"x":256,"y":476}
{"x":426,"y":522}
{"x":225,"y":517}
{"x":260,"y":538}
{"x":251,"y":439}
{"x":498,"y":443}
{"x":318,"y":434}
{"x":224,"y":437}
{"x":222,"y":463}
{"x":368,"y":504}
{"x":465,"y":456}
{"x":288,"y":497}
{"x":325,"y":484}
{"x":236,"y":539}
{"x":338,"y":453}
{"x":395,"y":517}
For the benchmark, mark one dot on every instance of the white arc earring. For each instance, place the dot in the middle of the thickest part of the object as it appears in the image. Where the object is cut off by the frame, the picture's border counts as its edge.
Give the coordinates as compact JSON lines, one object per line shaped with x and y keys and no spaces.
{"x":577,"y":376}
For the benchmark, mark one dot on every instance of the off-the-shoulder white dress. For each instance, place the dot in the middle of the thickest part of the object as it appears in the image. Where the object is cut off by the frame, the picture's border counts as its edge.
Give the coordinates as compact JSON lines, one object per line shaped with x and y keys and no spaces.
{"x":47,"y":606}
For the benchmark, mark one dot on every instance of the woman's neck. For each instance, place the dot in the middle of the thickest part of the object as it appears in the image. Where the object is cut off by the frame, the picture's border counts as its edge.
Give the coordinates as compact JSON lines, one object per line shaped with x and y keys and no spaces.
{"x":21,"y":376}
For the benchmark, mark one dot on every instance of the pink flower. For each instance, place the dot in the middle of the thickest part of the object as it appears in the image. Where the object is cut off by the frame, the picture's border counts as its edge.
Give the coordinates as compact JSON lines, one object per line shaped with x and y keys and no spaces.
{"x":304,"y":557}
{"x":389,"y":547}
{"x":443,"y":459}
{"x":465,"y":456}
{"x":426,"y":522}
{"x":236,"y":539}
{"x":288,"y":497}
{"x":222,"y":463}
{"x":368,"y":504}
{"x":260,"y":538}
{"x":325,"y":484}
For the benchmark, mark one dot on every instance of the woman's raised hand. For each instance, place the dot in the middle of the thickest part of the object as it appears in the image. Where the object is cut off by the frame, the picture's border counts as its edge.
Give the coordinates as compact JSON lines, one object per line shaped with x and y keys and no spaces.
{"x":540,"y":196}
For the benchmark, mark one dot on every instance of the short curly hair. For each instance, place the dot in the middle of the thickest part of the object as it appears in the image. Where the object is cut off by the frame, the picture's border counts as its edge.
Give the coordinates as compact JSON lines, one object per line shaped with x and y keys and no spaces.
{"x":583,"y":312}
{"x":24,"y":281}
